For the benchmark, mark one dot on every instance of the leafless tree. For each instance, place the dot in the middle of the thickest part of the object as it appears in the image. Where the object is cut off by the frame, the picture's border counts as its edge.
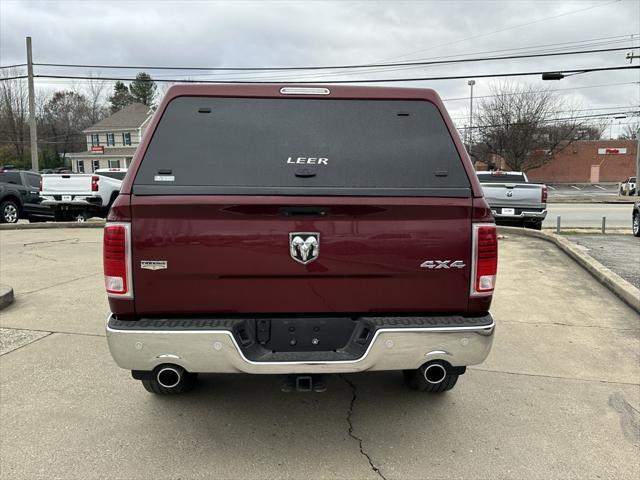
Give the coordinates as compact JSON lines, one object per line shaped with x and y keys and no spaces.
{"x":630,"y":131}
{"x":163,"y":87}
{"x":96,"y":95}
{"x":526,"y":127}
{"x":14,"y":116}
{"x":65,"y":115}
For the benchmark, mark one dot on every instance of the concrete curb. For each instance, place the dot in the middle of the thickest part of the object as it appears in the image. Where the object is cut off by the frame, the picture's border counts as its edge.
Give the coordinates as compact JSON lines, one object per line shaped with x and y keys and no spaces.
{"x":6,"y":296}
{"x":39,"y":225}
{"x":614,"y":282}
{"x":567,"y":201}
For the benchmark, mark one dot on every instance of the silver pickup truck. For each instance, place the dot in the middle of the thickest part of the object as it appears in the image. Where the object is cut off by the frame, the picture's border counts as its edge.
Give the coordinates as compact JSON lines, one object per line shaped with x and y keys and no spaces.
{"x":513,"y":200}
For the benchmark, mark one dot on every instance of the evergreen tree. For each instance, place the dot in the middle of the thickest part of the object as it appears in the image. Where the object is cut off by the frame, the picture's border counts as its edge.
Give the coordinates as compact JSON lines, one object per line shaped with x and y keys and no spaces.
{"x":121,"y":97}
{"x":143,"y":89}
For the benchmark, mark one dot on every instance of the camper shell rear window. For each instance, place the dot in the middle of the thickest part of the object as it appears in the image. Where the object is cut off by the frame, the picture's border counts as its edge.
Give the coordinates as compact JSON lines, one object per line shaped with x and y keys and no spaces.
{"x":291,"y":146}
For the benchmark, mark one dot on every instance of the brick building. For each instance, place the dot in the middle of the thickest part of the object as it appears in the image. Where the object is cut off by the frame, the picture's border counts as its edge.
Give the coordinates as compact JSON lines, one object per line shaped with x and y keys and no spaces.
{"x":593,"y":161}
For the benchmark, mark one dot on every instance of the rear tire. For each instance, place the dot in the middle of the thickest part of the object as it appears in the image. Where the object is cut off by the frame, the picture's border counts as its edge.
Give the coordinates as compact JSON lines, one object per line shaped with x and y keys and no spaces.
{"x":9,"y":212}
{"x":415,"y":380}
{"x":535,"y":225}
{"x":187,"y":383}
{"x":636,"y":225}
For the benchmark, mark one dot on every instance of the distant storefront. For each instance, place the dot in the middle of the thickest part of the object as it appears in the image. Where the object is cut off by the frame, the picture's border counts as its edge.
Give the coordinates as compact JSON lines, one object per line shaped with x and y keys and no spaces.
{"x":594,"y":161}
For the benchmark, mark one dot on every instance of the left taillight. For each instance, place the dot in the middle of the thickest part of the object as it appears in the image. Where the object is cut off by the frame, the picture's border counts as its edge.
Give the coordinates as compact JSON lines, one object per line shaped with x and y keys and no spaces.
{"x":94,"y":183}
{"x":485,"y":259}
{"x":117,"y":260}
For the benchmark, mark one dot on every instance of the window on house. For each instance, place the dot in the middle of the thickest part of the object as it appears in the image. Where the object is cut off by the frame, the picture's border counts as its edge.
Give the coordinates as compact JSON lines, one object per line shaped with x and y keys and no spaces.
{"x":80,"y":166}
{"x":126,"y":138}
{"x":95,"y":140}
{"x":114,"y":163}
{"x":95,"y":164}
{"x":111,"y":140}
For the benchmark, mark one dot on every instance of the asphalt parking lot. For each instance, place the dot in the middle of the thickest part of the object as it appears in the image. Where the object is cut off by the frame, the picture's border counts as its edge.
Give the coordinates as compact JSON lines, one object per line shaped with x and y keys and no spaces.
{"x":591,"y":189}
{"x":559,"y":396}
{"x":620,"y":253}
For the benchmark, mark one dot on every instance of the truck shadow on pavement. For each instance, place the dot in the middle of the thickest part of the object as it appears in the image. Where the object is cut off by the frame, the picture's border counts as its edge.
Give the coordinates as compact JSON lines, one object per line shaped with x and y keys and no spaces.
{"x":252,"y":413}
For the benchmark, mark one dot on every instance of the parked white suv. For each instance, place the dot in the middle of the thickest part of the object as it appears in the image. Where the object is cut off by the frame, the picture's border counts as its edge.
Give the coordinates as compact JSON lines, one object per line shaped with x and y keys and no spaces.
{"x":80,"y":196}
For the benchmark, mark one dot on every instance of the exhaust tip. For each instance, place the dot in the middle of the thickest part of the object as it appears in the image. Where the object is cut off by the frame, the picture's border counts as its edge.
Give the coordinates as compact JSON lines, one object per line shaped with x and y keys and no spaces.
{"x":435,"y":373}
{"x":169,"y":377}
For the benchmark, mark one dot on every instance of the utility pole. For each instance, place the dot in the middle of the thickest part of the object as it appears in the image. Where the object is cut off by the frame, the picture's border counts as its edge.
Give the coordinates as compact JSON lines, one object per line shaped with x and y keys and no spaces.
{"x":631,"y":56}
{"x":637,"y":162}
{"x":471,"y":83}
{"x":32,"y":109}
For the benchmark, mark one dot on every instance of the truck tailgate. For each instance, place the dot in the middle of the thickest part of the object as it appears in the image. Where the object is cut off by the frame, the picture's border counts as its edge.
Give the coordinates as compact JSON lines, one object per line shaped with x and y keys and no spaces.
{"x":74,"y":184}
{"x":231,"y":254}
{"x":513,"y":194}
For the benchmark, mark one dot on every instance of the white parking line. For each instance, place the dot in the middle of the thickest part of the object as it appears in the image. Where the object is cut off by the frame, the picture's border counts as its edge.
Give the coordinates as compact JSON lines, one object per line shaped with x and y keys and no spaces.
{"x":552,"y":188}
{"x":573,"y":186}
{"x":598,"y":186}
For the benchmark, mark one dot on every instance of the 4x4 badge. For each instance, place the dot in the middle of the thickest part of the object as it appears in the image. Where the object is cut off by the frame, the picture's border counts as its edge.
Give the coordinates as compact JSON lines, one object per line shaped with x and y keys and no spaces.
{"x":304,"y":247}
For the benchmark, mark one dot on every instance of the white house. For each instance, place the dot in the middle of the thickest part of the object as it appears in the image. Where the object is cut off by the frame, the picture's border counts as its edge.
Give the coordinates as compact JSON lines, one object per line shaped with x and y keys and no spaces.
{"x":112,"y":142}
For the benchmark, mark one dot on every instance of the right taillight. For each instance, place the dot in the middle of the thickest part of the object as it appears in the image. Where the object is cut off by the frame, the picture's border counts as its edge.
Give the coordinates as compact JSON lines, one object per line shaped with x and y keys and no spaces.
{"x":117,"y":260}
{"x":544,"y":194}
{"x":485,"y":259}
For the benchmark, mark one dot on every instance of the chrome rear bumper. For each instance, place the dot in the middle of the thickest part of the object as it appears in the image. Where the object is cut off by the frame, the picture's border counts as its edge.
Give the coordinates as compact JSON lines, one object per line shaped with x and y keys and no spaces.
{"x":525,"y":214}
{"x":217,"y":351}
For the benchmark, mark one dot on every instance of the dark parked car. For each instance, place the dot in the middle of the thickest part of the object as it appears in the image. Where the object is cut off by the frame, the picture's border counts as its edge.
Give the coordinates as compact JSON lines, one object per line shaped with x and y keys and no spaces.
{"x":635,"y":219}
{"x":20,"y":197}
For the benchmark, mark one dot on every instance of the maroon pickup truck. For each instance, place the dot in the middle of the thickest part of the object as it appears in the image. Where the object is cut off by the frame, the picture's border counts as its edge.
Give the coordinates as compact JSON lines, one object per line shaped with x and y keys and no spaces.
{"x":302,"y":231}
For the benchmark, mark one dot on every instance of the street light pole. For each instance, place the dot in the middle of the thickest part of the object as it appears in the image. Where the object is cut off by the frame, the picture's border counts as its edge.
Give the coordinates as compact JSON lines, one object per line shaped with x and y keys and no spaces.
{"x":32,"y":109}
{"x":471,"y":83}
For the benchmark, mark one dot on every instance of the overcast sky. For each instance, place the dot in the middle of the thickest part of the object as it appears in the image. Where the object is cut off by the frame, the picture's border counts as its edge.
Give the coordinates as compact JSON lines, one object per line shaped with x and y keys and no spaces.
{"x":272,"y":33}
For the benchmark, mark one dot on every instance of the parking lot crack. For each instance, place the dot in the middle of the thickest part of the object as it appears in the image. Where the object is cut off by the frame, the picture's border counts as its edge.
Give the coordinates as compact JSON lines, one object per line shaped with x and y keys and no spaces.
{"x":354,"y":397}
{"x":64,"y":240}
{"x":26,"y":344}
{"x":594,"y":380}
{"x":62,"y":283}
{"x":562,"y":324}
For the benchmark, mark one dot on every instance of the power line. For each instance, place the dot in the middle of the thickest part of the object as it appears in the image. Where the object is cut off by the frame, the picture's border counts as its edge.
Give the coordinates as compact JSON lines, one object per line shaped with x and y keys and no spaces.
{"x":568,"y":111}
{"x":14,"y":66}
{"x":532,"y":49}
{"x":505,"y":29}
{"x":551,"y":120}
{"x":466,"y":99}
{"x":378,"y":80}
{"x":259,"y":75}
{"x":590,"y":42}
{"x":336,"y":67}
